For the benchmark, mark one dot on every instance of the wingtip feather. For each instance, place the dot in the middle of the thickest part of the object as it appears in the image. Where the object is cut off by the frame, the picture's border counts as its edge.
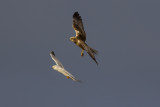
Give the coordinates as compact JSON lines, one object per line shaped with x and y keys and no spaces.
{"x":76,"y":15}
{"x":52,"y":53}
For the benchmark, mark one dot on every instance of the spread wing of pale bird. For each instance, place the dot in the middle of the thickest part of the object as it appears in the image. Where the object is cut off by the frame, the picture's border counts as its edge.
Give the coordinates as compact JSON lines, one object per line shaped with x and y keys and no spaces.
{"x":59,"y":67}
{"x":80,"y":37}
{"x":56,"y":60}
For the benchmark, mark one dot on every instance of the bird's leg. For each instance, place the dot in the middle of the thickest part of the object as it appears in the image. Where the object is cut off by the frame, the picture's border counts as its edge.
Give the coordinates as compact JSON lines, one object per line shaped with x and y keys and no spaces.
{"x":67,"y":77}
{"x":82,"y":52}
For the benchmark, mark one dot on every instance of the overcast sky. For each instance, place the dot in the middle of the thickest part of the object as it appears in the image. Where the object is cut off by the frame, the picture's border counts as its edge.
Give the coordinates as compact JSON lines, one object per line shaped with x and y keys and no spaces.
{"x":125,"y":32}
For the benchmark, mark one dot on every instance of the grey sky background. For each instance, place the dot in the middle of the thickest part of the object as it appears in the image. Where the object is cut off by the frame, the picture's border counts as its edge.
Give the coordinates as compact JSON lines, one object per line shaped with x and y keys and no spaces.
{"x":125,"y":32}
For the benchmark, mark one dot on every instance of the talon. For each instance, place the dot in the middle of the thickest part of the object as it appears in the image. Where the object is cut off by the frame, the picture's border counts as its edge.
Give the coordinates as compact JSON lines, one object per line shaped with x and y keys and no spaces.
{"x":67,"y":77}
{"x":82,"y":53}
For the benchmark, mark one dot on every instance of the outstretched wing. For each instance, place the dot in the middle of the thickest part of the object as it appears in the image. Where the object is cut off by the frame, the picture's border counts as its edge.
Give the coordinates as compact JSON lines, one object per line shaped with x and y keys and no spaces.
{"x":77,"y":24}
{"x":66,"y":73}
{"x":55,"y":59}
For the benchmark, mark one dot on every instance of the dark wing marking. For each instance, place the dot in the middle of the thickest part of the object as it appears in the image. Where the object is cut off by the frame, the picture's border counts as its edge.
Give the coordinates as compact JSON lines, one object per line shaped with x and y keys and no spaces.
{"x":55,"y":59}
{"x":77,"y":24}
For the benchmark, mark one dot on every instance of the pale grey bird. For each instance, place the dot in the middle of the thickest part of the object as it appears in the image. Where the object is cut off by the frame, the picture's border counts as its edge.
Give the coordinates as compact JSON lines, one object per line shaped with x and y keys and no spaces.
{"x":59,"y":67}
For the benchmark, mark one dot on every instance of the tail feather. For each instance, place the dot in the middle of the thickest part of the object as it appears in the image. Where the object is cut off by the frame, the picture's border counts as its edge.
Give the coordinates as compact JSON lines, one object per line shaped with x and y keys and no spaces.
{"x":94,"y":51}
{"x":91,"y":53}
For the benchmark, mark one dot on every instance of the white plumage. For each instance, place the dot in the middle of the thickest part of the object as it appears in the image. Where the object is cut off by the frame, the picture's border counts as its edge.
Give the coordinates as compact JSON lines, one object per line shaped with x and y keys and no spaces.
{"x":59,"y":67}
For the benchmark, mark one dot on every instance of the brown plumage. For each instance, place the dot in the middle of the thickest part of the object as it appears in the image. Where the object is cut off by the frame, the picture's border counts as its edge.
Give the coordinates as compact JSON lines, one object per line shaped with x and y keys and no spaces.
{"x":80,"y":37}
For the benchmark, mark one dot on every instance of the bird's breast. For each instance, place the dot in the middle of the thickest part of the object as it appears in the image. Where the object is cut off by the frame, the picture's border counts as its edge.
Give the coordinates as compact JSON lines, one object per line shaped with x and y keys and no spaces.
{"x":57,"y":68}
{"x":79,"y":43}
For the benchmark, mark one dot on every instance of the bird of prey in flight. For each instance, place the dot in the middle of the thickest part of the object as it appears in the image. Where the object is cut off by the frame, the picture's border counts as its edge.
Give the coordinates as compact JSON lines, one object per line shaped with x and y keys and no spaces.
{"x":59,"y":67}
{"x":80,"y":37}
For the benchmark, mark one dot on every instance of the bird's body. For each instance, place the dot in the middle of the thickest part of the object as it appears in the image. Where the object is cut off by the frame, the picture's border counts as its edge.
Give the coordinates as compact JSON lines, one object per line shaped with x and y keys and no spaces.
{"x":79,"y":43}
{"x":80,"y":37}
{"x":59,"y":67}
{"x":64,"y":72}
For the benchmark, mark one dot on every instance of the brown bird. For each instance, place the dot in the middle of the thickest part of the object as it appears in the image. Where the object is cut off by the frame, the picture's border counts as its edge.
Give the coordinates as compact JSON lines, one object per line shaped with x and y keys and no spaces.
{"x":80,"y":37}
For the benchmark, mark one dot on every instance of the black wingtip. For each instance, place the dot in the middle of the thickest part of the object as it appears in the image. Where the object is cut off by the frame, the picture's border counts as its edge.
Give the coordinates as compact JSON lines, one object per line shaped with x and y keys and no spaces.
{"x":52,"y":53}
{"x":76,"y":15}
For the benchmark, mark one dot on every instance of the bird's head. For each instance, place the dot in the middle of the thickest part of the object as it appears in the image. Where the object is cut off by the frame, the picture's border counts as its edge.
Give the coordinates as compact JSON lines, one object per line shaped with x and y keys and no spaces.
{"x":54,"y":67}
{"x":73,"y":39}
